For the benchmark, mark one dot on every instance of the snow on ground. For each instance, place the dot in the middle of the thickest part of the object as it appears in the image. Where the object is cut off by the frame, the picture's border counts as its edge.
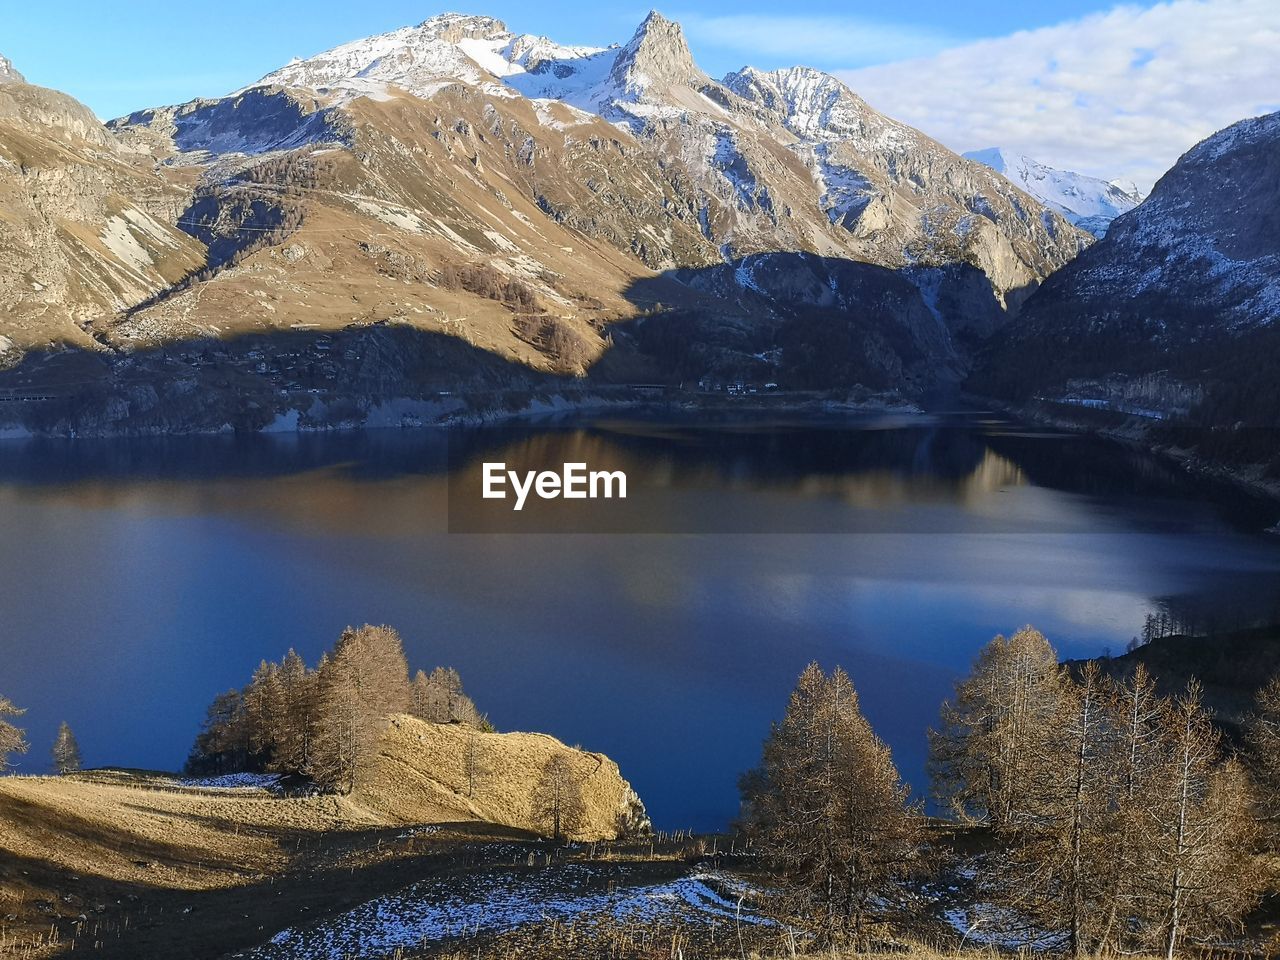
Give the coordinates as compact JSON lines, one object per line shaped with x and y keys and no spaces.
{"x":234,"y":781}
{"x":437,"y":911}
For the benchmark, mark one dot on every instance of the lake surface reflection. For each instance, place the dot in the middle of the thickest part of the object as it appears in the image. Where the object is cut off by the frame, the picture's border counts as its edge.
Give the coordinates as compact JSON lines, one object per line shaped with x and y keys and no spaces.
{"x":139,"y":578}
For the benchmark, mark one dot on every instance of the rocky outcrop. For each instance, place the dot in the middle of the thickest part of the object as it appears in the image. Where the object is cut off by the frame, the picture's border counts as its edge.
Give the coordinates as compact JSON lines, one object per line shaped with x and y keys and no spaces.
{"x":428,"y":772}
{"x":7,"y":73}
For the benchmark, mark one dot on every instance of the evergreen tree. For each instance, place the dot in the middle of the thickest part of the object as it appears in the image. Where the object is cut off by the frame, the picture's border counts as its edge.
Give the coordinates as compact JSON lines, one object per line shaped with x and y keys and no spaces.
{"x":66,"y":751}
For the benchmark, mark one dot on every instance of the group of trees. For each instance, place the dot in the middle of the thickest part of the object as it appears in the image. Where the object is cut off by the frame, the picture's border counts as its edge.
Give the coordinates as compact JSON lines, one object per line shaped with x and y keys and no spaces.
{"x":485,"y":281}
{"x":1119,"y":819}
{"x":66,"y":751}
{"x":323,"y":723}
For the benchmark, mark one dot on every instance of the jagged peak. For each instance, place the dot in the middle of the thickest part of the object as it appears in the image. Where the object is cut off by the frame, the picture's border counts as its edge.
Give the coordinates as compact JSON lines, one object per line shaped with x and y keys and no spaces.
{"x":453,"y":27}
{"x":657,"y":54}
{"x":8,"y":74}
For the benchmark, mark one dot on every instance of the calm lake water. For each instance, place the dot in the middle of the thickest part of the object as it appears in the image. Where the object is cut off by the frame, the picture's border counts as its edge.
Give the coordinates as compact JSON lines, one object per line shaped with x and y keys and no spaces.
{"x":138,"y":579}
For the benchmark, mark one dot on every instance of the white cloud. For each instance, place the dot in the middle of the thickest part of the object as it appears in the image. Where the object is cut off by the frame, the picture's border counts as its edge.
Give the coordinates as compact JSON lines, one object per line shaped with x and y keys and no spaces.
{"x":1117,"y":94}
{"x":842,"y":40}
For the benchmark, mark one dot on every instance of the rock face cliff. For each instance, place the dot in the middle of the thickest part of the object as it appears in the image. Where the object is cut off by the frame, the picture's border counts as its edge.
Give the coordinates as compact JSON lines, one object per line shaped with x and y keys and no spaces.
{"x":7,"y":73}
{"x":427,"y":772}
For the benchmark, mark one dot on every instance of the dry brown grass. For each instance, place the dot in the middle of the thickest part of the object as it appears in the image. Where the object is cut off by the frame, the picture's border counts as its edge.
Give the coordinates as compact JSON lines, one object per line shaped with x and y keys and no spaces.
{"x":92,"y":857}
{"x":428,"y":772}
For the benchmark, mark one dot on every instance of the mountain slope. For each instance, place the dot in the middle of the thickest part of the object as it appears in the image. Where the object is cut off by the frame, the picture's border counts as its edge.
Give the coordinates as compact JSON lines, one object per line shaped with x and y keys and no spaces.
{"x":1177,"y":311}
{"x":623,"y":171}
{"x":86,"y":228}
{"x":1088,"y":202}
{"x":454,"y":209}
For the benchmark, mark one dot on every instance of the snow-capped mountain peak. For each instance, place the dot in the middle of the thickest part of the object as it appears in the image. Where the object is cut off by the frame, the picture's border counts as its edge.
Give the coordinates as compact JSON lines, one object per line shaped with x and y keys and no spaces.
{"x":452,"y":46}
{"x":1088,"y":202}
{"x":7,"y":73}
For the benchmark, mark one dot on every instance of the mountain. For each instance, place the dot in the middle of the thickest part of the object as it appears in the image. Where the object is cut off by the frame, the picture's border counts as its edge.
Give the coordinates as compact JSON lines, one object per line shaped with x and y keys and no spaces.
{"x":86,"y":227}
{"x":514,"y":207}
{"x":8,"y":74}
{"x":1091,"y":204}
{"x":1176,"y":313}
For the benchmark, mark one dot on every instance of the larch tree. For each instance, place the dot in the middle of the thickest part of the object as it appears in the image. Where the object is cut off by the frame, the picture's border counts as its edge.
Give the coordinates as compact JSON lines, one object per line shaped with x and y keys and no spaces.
{"x":12,"y":739}
{"x":557,"y":803}
{"x":831,"y":813}
{"x":984,"y":756}
{"x":66,"y":751}
{"x":360,"y":686}
{"x":1136,"y":716}
{"x":1054,"y":854}
{"x":223,"y":743}
{"x":301,"y":715}
{"x":1202,"y":875}
{"x":438,"y":698}
{"x":1263,"y":735}
{"x":264,"y":707}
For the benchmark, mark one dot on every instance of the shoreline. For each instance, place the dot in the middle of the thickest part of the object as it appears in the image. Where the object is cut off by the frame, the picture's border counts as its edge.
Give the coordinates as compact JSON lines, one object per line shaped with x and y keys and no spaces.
{"x":414,"y":413}
{"x":1131,"y":432}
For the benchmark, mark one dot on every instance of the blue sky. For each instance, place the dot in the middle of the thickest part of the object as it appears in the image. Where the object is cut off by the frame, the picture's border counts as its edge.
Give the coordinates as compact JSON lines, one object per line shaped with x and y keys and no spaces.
{"x":1112,"y":90}
{"x":118,"y":57}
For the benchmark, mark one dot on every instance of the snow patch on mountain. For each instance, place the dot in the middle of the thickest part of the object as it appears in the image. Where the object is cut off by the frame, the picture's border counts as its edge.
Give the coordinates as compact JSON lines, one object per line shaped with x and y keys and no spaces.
{"x":819,"y":108}
{"x":1088,"y":202}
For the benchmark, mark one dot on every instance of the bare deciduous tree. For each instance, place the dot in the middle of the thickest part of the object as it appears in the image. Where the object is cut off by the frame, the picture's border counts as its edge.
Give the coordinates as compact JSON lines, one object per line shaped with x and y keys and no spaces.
{"x":557,"y":798}
{"x":983,"y":756}
{"x":1202,"y":875}
{"x":1264,"y":755}
{"x":1118,"y":821}
{"x":439,"y":698}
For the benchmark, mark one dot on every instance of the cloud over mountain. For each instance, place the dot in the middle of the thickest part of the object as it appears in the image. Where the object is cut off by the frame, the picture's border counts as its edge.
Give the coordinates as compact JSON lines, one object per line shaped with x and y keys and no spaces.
{"x":1122,"y":93}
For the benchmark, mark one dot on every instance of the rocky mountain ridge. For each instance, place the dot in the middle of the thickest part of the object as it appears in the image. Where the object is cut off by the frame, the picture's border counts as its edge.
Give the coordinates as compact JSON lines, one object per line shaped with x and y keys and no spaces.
{"x":607,"y":213}
{"x":768,"y":205}
{"x":87,"y":229}
{"x":1177,"y":310}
